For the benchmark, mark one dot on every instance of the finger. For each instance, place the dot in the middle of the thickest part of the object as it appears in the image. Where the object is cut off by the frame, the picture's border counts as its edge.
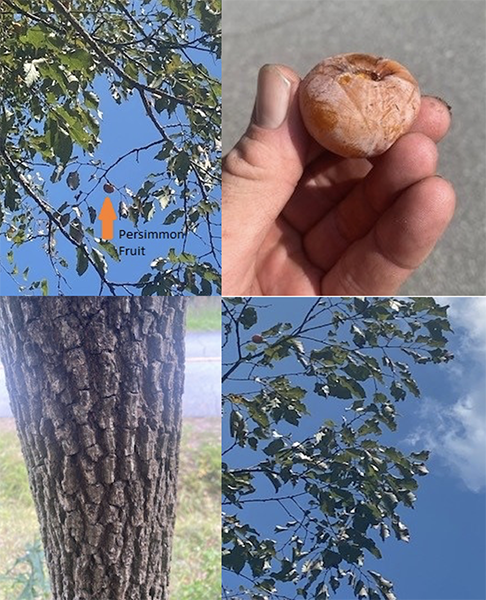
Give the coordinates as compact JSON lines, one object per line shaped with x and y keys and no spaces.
{"x":434,"y":118}
{"x":260,"y":173}
{"x":328,"y":177}
{"x":401,"y":240}
{"x":412,"y":158}
{"x":325,"y":182}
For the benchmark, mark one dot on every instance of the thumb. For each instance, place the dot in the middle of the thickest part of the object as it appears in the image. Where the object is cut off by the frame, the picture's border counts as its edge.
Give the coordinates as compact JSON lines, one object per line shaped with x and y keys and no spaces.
{"x":260,"y":173}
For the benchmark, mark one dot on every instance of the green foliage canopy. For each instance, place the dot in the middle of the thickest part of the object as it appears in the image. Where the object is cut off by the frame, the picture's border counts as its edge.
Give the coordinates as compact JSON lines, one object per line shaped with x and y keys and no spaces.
{"x":52,"y":55}
{"x":340,"y":488}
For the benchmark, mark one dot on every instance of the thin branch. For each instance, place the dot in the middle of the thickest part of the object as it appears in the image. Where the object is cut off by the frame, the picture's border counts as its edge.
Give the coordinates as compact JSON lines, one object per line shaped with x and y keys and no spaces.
{"x":36,"y":18}
{"x":93,"y":44}
{"x":47,"y":210}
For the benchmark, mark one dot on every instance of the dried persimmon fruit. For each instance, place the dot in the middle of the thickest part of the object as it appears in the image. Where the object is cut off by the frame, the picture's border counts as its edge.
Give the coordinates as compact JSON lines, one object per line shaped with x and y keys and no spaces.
{"x":358,"y":105}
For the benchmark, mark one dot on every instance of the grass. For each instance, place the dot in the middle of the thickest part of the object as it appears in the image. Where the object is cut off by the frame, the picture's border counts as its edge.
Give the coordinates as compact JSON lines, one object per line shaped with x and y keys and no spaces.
{"x":204,"y":314}
{"x":18,"y":521}
{"x":196,"y":565}
{"x":28,"y":578}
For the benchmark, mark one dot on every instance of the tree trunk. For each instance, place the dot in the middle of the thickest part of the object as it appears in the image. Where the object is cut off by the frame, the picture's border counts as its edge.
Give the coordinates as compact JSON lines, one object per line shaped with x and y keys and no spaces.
{"x":95,"y":386}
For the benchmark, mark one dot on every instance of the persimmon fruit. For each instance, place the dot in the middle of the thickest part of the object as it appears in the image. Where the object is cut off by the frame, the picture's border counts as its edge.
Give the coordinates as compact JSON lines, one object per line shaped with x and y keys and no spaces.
{"x":358,"y":105}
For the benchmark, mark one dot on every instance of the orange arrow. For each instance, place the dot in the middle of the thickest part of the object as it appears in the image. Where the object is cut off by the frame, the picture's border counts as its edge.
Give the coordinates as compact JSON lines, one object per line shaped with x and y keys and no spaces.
{"x":107,"y":216}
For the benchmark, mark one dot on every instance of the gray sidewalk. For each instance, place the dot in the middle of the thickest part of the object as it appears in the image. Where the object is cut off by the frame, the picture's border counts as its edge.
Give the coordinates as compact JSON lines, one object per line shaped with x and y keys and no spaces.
{"x":441,"y":41}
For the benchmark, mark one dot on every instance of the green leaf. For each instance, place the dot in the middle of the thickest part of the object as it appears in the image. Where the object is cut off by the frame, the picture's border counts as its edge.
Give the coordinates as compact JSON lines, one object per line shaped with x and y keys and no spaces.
{"x":401,"y":531}
{"x":110,"y":249}
{"x":78,"y":60}
{"x":31,"y":73}
{"x":358,"y":336}
{"x":342,"y":387}
{"x":57,"y":173}
{"x":166,"y":151}
{"x":177,"y":7}
{"x":131,"y":70}
{"x":384,"y":531}
{"x":421,"y":470}
{"x":358,"y":372}
{"x":164,"y":200}
{"x":238,"y":428}
{"x":360,"y":590}
{"x":248,"y":317}
{"x":63,"y":147}
{"x":76,"y":230}
{"x":44,"y":287}
{"x":91,"y":100}
{"x":99,"y":261}
{"x":235,"y":560}
{"x":174,"y":216}
{"x":149,"y":289}
{"x":349,"y":552}
{"x":397,"y":391}
{"x":11,"y":196}
{"x":148,"y":211}
{"x":93,"y":214}
{"x":206,"y":287}
{"x":73,"y":180}
{"x":82,"y":261}
{"x":257,"y":413}
{"x":424,"y":455}
{"x":383,"y":583}
{"x":331,"y":558}
{"x":274,"y":447}
{"x":274,"y":480}
{"x":181,"y":165}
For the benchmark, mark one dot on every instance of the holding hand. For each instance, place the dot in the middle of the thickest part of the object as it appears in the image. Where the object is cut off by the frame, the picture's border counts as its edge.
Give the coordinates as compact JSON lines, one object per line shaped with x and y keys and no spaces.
{"x":299,"y":220}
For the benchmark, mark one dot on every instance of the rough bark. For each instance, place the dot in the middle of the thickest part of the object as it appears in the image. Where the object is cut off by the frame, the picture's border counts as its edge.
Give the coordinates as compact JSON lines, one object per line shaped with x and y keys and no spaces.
{"x":95,"y":386}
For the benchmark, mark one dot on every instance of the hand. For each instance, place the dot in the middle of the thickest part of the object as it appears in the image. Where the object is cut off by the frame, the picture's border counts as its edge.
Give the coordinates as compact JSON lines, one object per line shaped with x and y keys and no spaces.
{"x":298,"y":220}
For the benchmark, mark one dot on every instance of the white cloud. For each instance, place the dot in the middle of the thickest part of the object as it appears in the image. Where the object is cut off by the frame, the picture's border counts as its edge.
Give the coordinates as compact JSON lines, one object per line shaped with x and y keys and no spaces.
{"x":470,"y":314}
{"x":457,"y":433}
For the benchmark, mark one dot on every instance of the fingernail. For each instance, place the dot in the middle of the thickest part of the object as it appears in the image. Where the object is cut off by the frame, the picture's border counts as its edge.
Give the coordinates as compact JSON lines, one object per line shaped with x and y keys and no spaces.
{"x":273,"y":96}
{"x":449,"y":107}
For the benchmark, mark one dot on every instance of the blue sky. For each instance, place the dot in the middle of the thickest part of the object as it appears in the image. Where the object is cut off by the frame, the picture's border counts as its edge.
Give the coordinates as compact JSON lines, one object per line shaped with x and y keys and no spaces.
{"x":123,"y":127}
{"x":446,"y":555}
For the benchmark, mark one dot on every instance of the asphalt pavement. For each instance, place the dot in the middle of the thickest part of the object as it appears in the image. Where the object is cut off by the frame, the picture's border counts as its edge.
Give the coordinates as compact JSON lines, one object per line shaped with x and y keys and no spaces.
{"x":443,"y":44}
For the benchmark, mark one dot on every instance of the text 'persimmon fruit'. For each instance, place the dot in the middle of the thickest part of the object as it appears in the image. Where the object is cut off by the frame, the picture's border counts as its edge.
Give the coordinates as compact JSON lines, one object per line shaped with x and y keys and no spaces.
{"x":358,"y":105}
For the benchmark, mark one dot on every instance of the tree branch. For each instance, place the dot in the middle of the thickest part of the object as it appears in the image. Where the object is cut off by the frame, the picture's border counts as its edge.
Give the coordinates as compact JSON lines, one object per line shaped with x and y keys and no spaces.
{"x":109,"y":62}
{"x":47,"y":210}
{"x":36,"y":18}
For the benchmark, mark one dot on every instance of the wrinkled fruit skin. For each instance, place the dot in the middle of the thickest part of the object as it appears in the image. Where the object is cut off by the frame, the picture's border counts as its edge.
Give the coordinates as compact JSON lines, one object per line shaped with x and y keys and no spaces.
{"x":257,"y":339}
{"x":358,"y":105}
